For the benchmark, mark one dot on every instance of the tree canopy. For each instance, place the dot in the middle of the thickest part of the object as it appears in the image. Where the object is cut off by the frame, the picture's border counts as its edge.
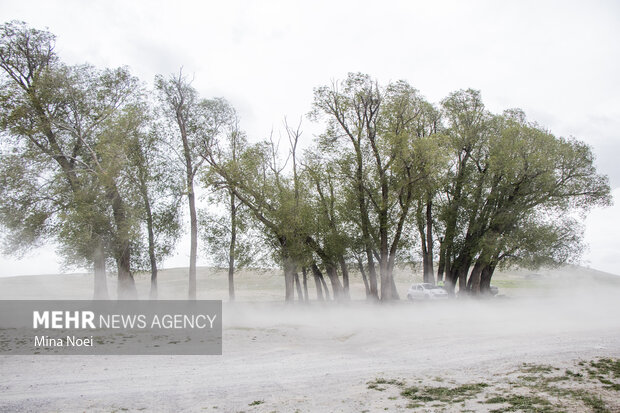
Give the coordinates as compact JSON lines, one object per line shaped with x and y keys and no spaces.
{"x":96,"y":162}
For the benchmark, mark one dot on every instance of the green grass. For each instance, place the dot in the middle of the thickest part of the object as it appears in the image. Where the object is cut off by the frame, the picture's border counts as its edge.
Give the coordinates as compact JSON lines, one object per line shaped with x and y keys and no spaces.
{"x":537,"y":368}
{"x":375,"y":384}
{"x":542,"y":389}
{"x":596,"y":403}
{"x":443,"y":394}
{"x":572,"y":375}
{"x":426,"y":394}
{"x":605,"y":370}
{"x":542,"y":381}
{"x":388,"y":381}
{"x":519,"y":402}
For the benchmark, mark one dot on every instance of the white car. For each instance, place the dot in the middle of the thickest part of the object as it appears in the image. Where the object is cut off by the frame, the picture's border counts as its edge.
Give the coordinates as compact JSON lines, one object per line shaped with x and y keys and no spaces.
{"x":426,"y":291}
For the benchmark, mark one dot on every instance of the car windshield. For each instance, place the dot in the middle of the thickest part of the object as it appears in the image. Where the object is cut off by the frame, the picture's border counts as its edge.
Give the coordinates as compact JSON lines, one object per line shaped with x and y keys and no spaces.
{"x":427,"y":285}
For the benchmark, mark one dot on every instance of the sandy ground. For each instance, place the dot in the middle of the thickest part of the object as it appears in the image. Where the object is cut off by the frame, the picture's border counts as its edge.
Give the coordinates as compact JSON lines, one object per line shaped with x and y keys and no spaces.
{"x":320,"y":357}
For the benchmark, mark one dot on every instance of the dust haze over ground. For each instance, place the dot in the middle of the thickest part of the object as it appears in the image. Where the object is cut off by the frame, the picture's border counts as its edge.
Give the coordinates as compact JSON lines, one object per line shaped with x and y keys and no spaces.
{"x":456,"y":355}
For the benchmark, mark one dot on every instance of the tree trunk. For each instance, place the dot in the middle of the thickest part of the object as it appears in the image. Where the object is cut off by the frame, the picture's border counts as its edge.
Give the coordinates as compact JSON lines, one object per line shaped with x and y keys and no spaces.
{"x":289,"y":288}
{"x":126,"y":284}
{"x":345,"y":277}
{"x":389,"y":279}
{"x":451,"y":279}
{"x":427,"y":260}
{"x":126,"y":287}
{"x":372,"y":275}
{"x":101,"y":285}
{"x":193,"y":248}
{"x":189,"y":175}
{"x":317,"y":281}
{"x":445,"y":264}
{"x":365,"y":222}
{"x":304,"y":271}
{"x":459,"y":270}
{"x":300,"y":294}
{"x":151,"y":235}
{"x":425,"y":233}
{"x":485,"y":277}
{"x":231,"y":252}
{"x":386,"y":286}
{"x":424,"y":262}
{"x":153,"y":293}
{"x":429,"y":276}
{"x":473,"y":285}
{"x":395,"y":295}
{"x":462,"y":277}
{"x":333,"y":278}
{"x":448,"y":264}
{"x":442,"y":262}
{"x":325,"y":289}
{"x":317,"y":272}
{"x":360,"y":265}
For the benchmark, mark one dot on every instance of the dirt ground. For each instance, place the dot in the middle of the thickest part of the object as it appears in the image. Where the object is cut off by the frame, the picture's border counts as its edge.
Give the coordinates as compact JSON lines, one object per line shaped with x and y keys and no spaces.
{"x":538,"y":348}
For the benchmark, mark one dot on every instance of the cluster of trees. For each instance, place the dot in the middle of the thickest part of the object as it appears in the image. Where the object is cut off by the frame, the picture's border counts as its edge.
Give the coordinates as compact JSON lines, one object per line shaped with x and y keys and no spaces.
{"x":99,"y":164}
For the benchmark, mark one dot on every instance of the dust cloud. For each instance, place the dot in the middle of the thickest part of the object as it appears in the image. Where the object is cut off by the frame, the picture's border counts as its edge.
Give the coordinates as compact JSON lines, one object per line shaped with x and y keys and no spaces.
{"x":320,"y":356}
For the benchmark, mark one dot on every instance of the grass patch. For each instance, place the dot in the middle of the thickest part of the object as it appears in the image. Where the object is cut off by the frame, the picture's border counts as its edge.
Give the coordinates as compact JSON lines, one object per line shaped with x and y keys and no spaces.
{"x":572,"y":375}
{"x":256,"y":402}
{"x":443,"y":394}
{"x":596,"y":403}
{"x":519,"y":402}
{"x":605,"y":370}
{"x":414,"y":405}
{"x":420,"y":395}
{"x":607,"y":366}
{"x":390,"y":381}
{"x":543,"y":389}
{"x":537,"y":368}
{"x":375,"y":384}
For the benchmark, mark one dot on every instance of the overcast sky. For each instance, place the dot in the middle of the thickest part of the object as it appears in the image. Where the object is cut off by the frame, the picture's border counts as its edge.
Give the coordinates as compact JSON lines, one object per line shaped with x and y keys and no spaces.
{"x":557,"y":60}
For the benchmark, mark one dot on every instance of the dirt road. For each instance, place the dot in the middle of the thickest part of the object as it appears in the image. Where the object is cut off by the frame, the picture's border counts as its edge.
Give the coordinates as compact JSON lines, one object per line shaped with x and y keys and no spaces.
{"x":320,"y":358}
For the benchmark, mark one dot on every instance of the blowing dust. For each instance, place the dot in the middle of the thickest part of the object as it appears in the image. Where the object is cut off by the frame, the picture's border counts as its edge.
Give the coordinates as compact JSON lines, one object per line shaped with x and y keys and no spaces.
{"x":321,"y":356}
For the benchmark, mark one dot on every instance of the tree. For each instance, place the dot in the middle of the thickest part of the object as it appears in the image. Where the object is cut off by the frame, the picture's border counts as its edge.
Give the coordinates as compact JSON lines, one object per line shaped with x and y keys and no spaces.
{"x":181,"y":124}
{"x":466,"y":122}
{"x":379,"y":128}
{"x":431,"y":145}
{"x":159,"y":194}
{"x":277,"y":203}
{"x":329,"y":219}
{"x":86,"y":164}
{"x":508,"y":175}
{"x":228,"y":237}
{"x":58,"y":117}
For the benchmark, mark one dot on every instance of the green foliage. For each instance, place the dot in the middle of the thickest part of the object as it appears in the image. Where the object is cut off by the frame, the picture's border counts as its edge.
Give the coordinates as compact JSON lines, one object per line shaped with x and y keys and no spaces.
{"x":89,"y":162}
{"x":69,"y":148}
{"x":512,"y":188}
{"x":443,"y":394}
{"x":539,"y":388}
{"x":521,"y":403}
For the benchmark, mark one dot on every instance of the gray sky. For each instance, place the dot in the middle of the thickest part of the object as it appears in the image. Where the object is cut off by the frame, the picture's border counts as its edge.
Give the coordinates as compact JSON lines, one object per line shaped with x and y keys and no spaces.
{"x":557,"y":60}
